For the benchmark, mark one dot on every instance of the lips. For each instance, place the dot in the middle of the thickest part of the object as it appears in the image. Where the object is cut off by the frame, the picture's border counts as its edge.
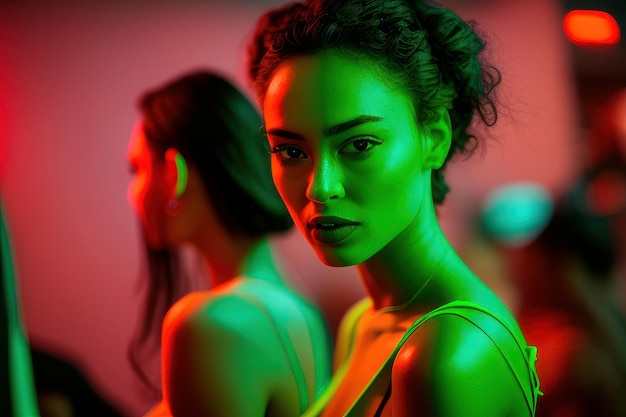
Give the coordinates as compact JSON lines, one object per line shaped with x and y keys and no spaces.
{"x":330,"y":229}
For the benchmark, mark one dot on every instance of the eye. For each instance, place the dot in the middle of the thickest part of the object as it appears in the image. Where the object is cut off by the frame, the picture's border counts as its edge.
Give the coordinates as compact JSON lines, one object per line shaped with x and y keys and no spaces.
{"x":289,"y":152}
{"x":359,"y":145}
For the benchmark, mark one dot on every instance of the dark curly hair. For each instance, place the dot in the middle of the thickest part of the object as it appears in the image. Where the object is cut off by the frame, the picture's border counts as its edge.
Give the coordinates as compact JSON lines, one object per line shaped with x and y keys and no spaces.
{"x":430,"y":51}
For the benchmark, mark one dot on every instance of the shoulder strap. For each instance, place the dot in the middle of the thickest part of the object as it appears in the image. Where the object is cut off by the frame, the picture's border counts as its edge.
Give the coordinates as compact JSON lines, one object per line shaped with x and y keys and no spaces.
{"x":346,"y":338}
{"x":299,"y":313}
{"x":264,"y":296}
{"x":347,"y":330}
{"x":382,"y":379}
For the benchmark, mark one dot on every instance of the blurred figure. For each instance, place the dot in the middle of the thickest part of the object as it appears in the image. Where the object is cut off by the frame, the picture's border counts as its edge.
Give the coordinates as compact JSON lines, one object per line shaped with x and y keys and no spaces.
{"x":63,"y":390}
{"x":250,"y":345}
{"x":17,"y":389}
{"x":602,"y":187}
{"x":34,"y":383}
{"x":605,"y":144}
{"x":561,"y":260}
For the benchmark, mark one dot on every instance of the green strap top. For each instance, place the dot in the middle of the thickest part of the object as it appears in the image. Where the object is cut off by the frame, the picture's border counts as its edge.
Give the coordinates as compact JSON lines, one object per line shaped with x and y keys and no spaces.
{"x":523,"y":370}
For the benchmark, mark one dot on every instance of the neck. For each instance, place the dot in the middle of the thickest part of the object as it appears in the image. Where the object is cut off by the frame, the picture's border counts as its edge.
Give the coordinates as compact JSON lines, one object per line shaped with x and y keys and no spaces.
{"x":408,"y":265}
{"x":251,"y":258}
{"x":260,"y":263}
{"x":225,"y":255}
{"x":225,"y":269}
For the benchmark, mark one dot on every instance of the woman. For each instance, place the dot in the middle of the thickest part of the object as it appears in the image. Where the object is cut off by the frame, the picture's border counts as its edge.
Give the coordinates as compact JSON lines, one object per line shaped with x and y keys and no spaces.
{"x":364,"y":103}
{"x":249,"y":346}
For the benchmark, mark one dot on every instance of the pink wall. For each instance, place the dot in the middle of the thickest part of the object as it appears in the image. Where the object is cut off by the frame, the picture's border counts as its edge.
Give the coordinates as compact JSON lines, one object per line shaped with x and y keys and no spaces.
{"x":69,"y":78}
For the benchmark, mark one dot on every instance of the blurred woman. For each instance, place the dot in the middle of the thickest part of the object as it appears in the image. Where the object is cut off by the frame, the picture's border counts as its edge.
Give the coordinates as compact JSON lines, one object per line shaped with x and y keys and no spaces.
{"x":249,"y":346}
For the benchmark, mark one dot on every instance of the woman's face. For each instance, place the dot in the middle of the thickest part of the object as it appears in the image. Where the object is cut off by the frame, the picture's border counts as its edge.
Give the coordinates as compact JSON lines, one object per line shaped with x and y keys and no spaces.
{"x":147,"y":192}
{"x":347,"y":156}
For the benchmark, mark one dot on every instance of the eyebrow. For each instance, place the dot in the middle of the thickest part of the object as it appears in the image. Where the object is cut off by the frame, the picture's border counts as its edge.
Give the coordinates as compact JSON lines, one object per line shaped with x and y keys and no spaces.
{"x":331,"y":131}
{"x":342,"y":127}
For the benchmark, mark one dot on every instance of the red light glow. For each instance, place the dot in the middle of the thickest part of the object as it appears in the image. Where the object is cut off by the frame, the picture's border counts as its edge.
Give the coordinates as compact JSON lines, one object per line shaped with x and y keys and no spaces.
{"x":589,"y":28}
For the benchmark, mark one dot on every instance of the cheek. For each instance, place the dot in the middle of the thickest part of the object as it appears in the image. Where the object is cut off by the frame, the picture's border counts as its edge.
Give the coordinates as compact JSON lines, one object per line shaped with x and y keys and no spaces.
{"x":405,"y":168}
{"x":399,"y":175}
{"x":147,"y":197}
{"x":291,"y":185}
{"x":135,"y":193}
{"x":395,"y":173}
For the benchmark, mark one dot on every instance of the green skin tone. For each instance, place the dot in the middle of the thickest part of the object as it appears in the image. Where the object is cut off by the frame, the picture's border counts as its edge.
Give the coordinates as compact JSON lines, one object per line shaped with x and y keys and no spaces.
{"x":374,"y":178}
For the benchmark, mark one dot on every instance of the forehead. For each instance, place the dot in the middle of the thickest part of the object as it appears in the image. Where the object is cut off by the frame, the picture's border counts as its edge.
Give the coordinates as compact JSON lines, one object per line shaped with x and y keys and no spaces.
{"x":321,"y":90}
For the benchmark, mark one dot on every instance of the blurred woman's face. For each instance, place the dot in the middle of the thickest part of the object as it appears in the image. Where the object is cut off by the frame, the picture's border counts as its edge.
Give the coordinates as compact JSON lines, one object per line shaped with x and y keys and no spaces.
{"x":147,"y":192}
{"x":347,"y":156}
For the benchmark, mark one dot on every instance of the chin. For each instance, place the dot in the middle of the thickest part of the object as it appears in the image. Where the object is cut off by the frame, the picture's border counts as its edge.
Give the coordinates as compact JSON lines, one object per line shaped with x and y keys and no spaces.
{"x":157,"y":246}
{"x":154,"y":242}
{"x":333,"y":257}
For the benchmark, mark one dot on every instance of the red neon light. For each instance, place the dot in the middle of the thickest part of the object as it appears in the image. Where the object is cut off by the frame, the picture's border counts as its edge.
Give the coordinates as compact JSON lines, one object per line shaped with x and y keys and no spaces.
{"x":591,"y":28}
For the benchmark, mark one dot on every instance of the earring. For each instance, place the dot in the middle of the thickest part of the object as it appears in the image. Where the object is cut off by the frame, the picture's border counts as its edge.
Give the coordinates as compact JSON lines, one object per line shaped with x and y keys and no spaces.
{"x":172,"y":208}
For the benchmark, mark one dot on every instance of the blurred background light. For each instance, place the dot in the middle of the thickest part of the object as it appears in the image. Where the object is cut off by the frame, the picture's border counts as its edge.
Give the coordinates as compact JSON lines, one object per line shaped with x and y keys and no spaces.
{"x":514,"y":214}
{"x":593,"y":30}
{"x":589,"y":28}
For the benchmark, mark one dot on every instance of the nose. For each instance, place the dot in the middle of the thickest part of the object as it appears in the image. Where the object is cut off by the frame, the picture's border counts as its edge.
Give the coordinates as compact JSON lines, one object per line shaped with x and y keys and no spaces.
{"x":325,"y":182}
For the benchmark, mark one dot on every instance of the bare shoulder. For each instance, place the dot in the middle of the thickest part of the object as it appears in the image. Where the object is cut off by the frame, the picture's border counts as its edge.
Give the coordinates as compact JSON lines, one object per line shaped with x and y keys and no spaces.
{"x":457,"y":368}
{"x":209,"y":342}
{"x":204,"y":317}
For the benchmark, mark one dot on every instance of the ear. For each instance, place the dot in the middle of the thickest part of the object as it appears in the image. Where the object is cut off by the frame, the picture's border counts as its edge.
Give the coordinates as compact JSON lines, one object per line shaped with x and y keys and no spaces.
{"x":438,"y":139}
{"x":176,"y":171}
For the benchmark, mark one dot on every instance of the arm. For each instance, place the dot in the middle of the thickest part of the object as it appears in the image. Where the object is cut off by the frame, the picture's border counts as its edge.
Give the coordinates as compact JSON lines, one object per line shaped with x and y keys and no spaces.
{"x":219,"y":358}
{"x":451,"y":368}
